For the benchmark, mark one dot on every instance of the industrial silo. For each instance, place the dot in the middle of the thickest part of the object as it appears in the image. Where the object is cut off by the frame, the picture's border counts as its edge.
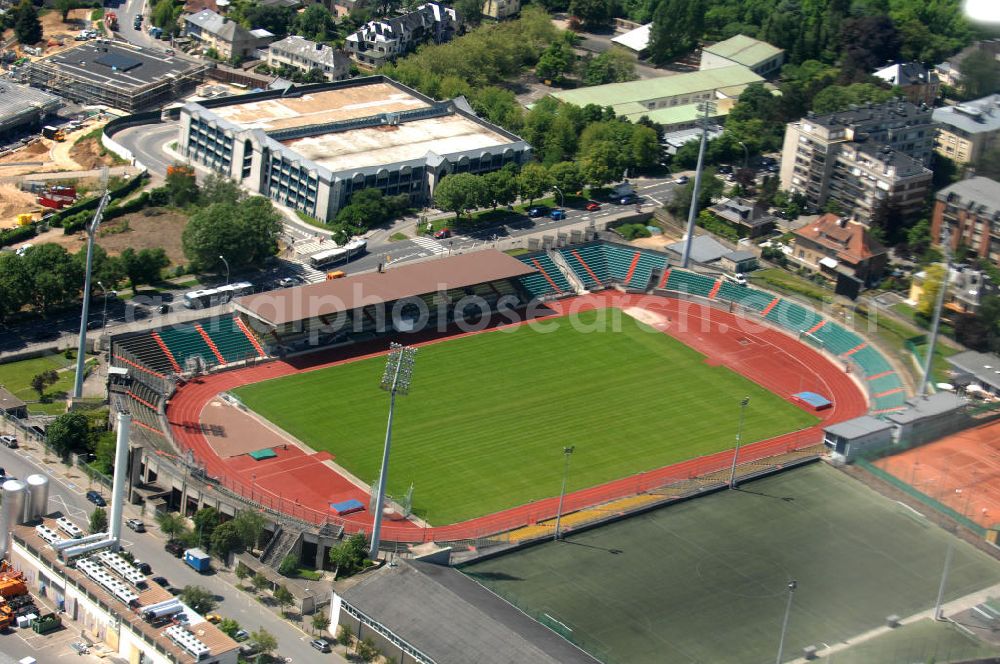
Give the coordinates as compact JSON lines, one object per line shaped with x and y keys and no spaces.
{"x":36,"y":503}
{"x":13,"y":493}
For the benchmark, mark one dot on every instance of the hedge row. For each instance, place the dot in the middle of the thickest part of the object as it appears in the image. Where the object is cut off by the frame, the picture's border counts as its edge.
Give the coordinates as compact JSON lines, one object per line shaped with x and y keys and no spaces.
{"x":15,"y":235}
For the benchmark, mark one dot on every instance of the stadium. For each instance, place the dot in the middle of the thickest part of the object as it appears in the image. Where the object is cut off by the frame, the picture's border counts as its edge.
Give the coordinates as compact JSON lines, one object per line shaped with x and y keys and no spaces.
{"x":639,"y":366}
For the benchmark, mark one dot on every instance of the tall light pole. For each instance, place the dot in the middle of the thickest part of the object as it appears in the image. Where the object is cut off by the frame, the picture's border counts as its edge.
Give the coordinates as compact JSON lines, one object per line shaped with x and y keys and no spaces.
{"x":104,"y":316}
{"x":395,"y":380}
{"x":792,"y":585}
{"x":567,"y":453}
{"x":223,"y":259}
{"x":85,"y":312}
{"x":936,"y":322}
{"x":944,"y":575}
{"x":744,"y":402}
{"x":746,"y":155}
{"x":562,"y":198}
{"x":706,"y":107}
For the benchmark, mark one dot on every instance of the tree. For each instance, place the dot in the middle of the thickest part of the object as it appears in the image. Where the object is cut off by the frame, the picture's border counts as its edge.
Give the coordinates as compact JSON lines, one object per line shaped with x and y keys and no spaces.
{"x":677,"y":26}
{"x":868,"y":41}
{"x":181,"y":185}
{"x":27,"y":27}
{"x":226,"y":539}
{"x":599,"y":163}
{"x":593,"y":13}
{"x":165,"y":14}
{"x":612,"y":66}
{"x":259,"y":581}
{"x":344,"y":635}
{"x":205,"y":522}
{"x":349,"y":557}
{"x":171,"y":524}
{"x":229,"y":627}
{"x":68,"y":433}
{"x":283,"y":596}
{"x":711,"y":187}
{"x":98,"y":520}
{"x":242,"y":572}
{"x":42,"y":381}
{"x":980,"y":74}
{"x":218,"y":188}
{"x":144,"y":266}
{"x":198,"y":598}
{"x":533,"y":181}
{"x":246,"y":233}
{"x":555,"y":63}
{"x":933,"y":280}
{"x":988,"y":164}
{"x":320,"y":621}
{"x":316,"y":23}
{"x":15,"y":284}
{"x":470,"y":12}
{"x":366,"y":650}
{"x":64,"y":7}
{"x":54,"y":277}
{"x":458,"y":193}
{"x":567,"y":176}
{"x":289,"y":565}
{"x":265,"y":641}
{"x":250,"y":525}
{"x":500,"y":187}
{"x":840,"y":97}
{"x":273,"y":18}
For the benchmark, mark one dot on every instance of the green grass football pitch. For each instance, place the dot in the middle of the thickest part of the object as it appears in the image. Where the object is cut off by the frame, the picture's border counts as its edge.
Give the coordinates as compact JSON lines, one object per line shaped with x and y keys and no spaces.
{"x":705,"y":580}
{"x":487,"y":416}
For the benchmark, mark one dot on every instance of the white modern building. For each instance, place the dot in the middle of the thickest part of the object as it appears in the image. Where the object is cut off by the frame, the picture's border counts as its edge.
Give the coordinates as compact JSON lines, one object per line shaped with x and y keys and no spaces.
{"x":313,"y":147}
{"x":382,"y":40}
{"x":304,"y":55}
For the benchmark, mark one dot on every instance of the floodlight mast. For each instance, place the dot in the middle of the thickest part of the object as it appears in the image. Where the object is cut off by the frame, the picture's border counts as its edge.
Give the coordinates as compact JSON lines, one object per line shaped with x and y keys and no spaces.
{"x":708,"y":109}
{"x":395,"y":380}
{"x":938,"y":304}
{"x":85,"y":312}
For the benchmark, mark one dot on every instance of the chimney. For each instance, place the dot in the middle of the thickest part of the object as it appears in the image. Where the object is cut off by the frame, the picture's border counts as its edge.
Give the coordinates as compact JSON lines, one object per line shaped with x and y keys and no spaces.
{"x":842,"y":222}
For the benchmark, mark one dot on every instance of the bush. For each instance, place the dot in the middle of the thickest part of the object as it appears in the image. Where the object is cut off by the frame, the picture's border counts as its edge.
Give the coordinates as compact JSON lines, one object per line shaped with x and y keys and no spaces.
{"x":632,"y":231}
{"x":15,"y":235}
{"x":159,"y":197}
{"x":289,"y":565}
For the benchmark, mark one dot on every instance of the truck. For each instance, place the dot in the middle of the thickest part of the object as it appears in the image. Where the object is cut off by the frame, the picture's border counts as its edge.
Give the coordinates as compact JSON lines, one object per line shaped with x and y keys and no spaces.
{"x":53,"y":133}
{"x":198,"y":560}
{"x":111,"y":21}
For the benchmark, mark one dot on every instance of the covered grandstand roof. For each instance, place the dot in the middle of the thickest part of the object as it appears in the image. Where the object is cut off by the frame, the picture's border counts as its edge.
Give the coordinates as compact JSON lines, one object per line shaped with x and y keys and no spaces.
{"x":330,"y":297}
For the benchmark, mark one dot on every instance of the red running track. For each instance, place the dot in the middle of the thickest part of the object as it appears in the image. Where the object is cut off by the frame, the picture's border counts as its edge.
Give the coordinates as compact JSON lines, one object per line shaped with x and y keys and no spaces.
{"x":302,"y":485}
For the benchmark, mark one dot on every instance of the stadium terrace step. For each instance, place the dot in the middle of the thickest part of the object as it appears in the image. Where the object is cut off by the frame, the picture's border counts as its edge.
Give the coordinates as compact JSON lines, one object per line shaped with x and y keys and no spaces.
{"x":747,"y":297}
{"x":166,"y":351}
{"x":210,"y":343}
{"x":771,"y":306}
{"x":715,"y":289}
{"x":690,"y":282}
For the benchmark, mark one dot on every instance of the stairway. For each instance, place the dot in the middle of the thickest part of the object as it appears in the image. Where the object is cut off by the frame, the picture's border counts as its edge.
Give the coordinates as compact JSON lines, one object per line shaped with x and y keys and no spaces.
{"x":564,"y":267}
{"x":280,"y":546}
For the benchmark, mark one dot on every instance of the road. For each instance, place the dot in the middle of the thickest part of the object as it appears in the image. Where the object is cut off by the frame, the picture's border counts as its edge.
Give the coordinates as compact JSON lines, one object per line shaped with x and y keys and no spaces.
{"x":66,"y":494}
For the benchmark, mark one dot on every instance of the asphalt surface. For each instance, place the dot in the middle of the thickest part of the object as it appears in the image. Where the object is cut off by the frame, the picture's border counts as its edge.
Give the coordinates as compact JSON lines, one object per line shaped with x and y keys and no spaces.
{"x":67,"y":496}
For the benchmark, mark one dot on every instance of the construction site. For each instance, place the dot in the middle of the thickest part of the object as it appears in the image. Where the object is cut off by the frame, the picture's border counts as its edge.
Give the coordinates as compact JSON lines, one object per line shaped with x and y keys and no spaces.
{"x":116,"y":75}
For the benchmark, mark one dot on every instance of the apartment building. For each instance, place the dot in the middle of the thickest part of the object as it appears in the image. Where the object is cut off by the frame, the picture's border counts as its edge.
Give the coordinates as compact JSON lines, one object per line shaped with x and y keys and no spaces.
{"x":950,"y":71}
{"x":918,"y":84}
{"x":501,"y":10}
{"x":968,"y":130}
{"x":878,"y":152}
{"x":304,"y":55}
{"x":228,"y":38}
{"x":971,"y":209}
{"x":382,"y":40}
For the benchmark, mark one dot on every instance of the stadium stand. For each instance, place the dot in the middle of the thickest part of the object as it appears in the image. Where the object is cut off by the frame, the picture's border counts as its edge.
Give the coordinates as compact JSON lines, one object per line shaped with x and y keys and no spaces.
{"x":870,"y":361}
{"x":836,"y":339}
{"x":589,"y":264}
{"x":690,"y":282}
{"x":747,"y":297}
{"x":793,"y":317}
{"x":548,"y":281}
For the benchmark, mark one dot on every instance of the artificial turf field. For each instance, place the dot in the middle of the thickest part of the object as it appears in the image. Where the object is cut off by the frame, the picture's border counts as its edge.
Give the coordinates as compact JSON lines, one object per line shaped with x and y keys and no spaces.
{"x":487,"y":416}
{"x":705,"y":580}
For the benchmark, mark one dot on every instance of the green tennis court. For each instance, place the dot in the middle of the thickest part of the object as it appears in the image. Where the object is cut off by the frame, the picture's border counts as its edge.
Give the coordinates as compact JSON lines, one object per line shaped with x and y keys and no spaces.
{"x":705,"y":581}
{"x":487,"y":417}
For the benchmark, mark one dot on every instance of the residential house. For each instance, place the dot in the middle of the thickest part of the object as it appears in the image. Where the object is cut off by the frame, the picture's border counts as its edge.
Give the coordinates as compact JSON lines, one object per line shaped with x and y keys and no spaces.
{"x":748,"y":215}
{"x":501,"y":10}
{"x":968,"y":130}
{"x":971,"y":209}
{"x":866,"y":158}
{"x":833,"y":244}
{"x":761,"y":57}
{"x":304,"y":55}
{"x":383,"y":40}
{"x":230,"y":39}
{"x":950,"y":72}
{"x":919,"y":84}
{"x":967,"y":287}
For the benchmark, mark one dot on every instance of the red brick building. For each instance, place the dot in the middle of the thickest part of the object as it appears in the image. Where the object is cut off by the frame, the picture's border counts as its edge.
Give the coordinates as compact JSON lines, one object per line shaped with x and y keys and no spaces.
{"x":971,"y":208}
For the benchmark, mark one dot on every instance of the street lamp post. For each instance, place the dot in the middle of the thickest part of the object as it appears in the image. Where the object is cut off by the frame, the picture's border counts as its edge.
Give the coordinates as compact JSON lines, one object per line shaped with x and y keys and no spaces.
{"x":567,"y":452}
{"x":223,"y":259}
{"x":792,"y":585}
{"x":85,"y":313}
{"x":938,"y":613}
{"x":739,"y":436}
{"x":395,"y":380}
{"x":104,"y":316}
{"x":562,"y":198}
{"x":746,"y":155}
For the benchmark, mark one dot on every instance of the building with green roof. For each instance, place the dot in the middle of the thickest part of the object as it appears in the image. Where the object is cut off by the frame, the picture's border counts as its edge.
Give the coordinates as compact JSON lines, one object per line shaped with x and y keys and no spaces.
{"x":759,"y":56}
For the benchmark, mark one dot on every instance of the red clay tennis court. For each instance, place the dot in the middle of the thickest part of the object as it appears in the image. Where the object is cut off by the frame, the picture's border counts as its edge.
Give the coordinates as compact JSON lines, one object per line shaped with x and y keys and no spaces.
{"x":962,"y":471}
{"x":304,"y":484}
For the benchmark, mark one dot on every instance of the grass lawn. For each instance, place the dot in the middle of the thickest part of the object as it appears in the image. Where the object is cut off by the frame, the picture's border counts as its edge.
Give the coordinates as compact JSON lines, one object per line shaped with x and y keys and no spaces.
{"x":786,"y":282}
{"x":923,"y":641}
{"x":894,"y":334}
{"x":488,"y":415}
{"x":705,"y":580}
{"x":16,"y":377}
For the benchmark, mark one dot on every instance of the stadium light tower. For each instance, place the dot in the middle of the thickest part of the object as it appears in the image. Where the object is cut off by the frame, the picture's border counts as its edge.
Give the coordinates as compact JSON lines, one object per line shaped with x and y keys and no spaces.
{"x":739,"y":435}
{"x":708,"y":108}
{"x":936,"y":322}
{"x":567,"y":452}
{"x":792,"y":585}
{"x":85,"y":312}
{"x":223,"y":259}
{"x":395,"y":380}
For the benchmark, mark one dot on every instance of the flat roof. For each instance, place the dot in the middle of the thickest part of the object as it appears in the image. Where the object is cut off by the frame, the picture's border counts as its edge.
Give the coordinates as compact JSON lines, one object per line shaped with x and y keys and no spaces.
{"x":388,"y":144}
{"x":16,"y":99}
{"x":93,"y":62}
{"x":985,"y":367}
{"x":919,"y":408}
{"x":614,"y":94}
{"x":744,"y":50}
{"x":452,"y":619}
{"x":322,"y":107}
{"x":859,"y":426}
{"x":10,"y":402}
{"x":637,"y":39}
{"x":326,"y":298}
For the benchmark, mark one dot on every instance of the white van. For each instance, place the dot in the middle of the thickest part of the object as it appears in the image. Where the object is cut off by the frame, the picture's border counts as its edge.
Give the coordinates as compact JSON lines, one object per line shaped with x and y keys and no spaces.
{"x":738,"y":279}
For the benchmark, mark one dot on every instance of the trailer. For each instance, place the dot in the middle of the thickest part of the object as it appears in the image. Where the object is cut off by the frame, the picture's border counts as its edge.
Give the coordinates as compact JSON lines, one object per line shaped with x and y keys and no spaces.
{"x":198,"y":560}
{"x":45,"y":201}
{"x":161,"y":613}
{"x":46,"y":623}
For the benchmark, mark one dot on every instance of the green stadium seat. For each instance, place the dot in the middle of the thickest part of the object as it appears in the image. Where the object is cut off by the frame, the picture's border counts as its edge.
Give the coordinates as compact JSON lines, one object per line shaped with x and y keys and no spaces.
{"x":792,"y":316}
{"x":536,"y":284}
{"x":690,"y":282}
{"x":837,"y":339}
{"x":747,"y":297}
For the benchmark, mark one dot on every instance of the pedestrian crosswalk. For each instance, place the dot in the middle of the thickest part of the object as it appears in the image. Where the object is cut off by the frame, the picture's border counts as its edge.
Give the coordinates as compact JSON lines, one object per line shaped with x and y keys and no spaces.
{"x":312,"y":246}
{"x":430,"y":244}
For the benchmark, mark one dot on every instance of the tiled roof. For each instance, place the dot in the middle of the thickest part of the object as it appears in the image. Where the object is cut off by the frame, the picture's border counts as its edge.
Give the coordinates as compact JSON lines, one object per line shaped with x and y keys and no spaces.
{"x":849,"y":240}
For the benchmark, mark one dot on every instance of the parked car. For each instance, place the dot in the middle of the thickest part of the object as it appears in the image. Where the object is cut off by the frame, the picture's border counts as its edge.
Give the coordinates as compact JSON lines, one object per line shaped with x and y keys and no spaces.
{"x":241,"y":635}
{"x":442,"y":234}
{"x":683,"y":179}
{"x":631,"y":199}
{"x":96,"y":498}
{"x":213,"y":618}
{"x":558,"y":214}
{"x":249,"y":649}
{"x":286,"y":282}
{"x":176,"y":549}
{"x":142,"y":567}
{"x":538,"y":211}
{"x":9,"y":441}
{"x":162,"y":581}
{"x":725,"y":170}
{"x":136,"y":525}
{"x":592,"y":206}
{"x":321,"y":645}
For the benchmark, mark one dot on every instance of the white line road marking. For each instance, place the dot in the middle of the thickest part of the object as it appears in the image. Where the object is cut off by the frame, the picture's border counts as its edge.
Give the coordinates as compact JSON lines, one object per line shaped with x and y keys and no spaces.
{"x":430,"y":244}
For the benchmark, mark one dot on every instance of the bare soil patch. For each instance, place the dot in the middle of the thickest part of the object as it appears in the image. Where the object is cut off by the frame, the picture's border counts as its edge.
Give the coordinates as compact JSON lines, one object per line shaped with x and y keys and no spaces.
{"x":89,"y":154}
{"x":13,"y":202}
{"x":139,"y":231}
{"x":34,"y":152}
{"x":53,"y":27}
